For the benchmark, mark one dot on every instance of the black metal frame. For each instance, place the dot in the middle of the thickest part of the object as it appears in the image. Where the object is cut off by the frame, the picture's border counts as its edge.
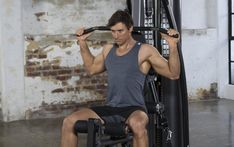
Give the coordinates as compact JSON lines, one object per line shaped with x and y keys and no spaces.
{"x":96,"y":131}
{"x":99,"y":135}
{"x":230,"y":38}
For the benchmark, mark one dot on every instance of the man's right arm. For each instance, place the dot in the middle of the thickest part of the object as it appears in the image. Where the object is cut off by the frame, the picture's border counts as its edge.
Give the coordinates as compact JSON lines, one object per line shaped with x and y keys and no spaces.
{"x":93,"y":64}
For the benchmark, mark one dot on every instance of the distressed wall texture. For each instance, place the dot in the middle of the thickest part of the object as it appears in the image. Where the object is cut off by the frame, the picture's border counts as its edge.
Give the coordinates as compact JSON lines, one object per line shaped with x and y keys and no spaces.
{"x":54,"y":75}
{"x":55,"y":79}
{"x":65,"y":16}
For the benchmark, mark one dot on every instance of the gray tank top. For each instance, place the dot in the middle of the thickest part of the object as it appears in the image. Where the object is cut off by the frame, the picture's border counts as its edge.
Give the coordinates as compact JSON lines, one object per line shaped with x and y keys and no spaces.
{"x":125,"y":80}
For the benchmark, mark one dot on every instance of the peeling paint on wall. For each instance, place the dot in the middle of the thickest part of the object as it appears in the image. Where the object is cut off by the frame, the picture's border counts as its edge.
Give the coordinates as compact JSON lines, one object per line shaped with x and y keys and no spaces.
{"x":65,"y":16}
{"x":54,"y":72}
{"x":55,"y":78}
{"x":57,"y":110}
{"x":40,"y":15}
{"x":59,"y":50}
{"x":204,"y":94}
{"x":55,"y":2}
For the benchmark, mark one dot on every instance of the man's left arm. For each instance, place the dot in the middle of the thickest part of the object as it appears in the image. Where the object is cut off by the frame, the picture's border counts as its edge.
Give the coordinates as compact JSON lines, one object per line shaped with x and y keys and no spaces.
{"x":173,"y":61}
{"x":170,"y":67}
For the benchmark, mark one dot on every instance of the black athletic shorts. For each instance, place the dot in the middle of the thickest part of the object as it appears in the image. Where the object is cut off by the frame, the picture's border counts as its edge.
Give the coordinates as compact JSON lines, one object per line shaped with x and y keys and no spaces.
{"x":111,"y":114}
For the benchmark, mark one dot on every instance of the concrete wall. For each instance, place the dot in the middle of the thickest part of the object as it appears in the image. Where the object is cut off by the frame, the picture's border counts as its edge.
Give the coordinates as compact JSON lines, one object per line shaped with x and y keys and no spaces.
{"x":205,"y":48}
{"x":12,"y":73}
{"x":225,"y":90}
{"x":65,"y":16}
{"x":200,"y":59}
{"x":0,"y":64}
{"x":54,"y":74}
{"x":199,"y":44}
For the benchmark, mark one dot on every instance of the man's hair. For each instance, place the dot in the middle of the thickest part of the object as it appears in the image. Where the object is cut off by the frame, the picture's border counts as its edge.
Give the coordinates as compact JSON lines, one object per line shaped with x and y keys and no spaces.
{"x":120,"y":16}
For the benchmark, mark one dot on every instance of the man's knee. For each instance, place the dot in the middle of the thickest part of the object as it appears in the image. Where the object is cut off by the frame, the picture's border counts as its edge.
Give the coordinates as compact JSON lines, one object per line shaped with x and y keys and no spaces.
{"x":68,"y":122}
{"x":82,"y":114}
{"x":138,"y":127}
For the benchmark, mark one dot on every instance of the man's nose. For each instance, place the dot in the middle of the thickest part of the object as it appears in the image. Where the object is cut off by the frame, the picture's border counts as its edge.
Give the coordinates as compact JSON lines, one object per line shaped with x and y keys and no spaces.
{"x":115,"y":35}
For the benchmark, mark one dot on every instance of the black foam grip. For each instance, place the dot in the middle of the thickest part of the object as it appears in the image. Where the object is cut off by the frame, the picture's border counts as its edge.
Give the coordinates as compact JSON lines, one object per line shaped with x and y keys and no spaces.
{"x":101,"y":28}
{"x":115,"y":129}
{"x":81,"y":126}
{"x":89,"y":30}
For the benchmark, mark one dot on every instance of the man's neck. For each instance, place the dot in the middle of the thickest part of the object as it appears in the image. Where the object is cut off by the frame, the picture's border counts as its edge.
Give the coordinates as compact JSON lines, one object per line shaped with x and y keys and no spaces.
{"x":127,"y":45}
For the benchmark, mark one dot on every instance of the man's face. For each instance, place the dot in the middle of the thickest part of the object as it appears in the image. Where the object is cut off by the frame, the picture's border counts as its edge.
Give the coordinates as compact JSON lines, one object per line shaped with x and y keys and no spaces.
{"x":120,"y":33}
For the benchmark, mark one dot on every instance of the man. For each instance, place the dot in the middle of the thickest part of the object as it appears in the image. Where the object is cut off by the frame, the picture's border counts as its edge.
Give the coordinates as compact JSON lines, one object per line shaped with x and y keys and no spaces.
{"x":127,"y":62}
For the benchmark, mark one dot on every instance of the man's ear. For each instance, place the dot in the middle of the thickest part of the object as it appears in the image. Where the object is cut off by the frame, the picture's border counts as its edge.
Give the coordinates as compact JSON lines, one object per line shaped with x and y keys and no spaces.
{"x":131,"y":29}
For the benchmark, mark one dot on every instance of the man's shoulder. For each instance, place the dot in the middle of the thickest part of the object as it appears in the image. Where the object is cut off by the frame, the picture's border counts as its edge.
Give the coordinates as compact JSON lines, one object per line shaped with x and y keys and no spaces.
{"x":147,"y":50}
{"x":146,"y":47}
{"x":107,"y":48}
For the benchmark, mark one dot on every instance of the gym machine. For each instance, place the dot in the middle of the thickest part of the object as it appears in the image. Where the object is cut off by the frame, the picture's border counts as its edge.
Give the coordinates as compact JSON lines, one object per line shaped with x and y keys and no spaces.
{"x":166,"y":100}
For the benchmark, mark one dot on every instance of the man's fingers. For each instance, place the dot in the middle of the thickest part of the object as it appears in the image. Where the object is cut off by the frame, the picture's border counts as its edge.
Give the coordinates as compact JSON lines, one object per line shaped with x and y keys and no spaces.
{"x":80,"y":31}
{"x":172,"y":32}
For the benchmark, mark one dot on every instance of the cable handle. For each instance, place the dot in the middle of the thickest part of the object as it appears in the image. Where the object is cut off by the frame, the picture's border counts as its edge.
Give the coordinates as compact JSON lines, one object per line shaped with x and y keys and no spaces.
{"x":164,"y":31}
{"x":100,"y":28}
{"x":104,"y":28}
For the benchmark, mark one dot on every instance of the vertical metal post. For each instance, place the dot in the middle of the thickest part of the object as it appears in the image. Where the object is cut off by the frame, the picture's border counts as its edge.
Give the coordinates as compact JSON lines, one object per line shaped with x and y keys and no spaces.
{"x":175,"y":96}
{"x":230,"y":38}
{"x":91,"y":138}
{"x":177,"y":13}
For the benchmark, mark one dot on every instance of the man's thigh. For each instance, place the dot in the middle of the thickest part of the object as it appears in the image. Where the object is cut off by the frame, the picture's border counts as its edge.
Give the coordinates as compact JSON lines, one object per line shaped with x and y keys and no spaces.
{"x":83,"y":114}
{"x":115,"y":114}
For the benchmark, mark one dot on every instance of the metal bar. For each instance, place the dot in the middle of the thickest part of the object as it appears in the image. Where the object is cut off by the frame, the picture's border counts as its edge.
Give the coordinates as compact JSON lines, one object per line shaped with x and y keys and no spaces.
{"x":181,"y":128}
{"x":103,"y":28}
{"x":91,"y":138}
{"x":230,"y":38}
{"x":169,"y":13}
{"x":129,"y":6}
{"x":118,"y":141}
